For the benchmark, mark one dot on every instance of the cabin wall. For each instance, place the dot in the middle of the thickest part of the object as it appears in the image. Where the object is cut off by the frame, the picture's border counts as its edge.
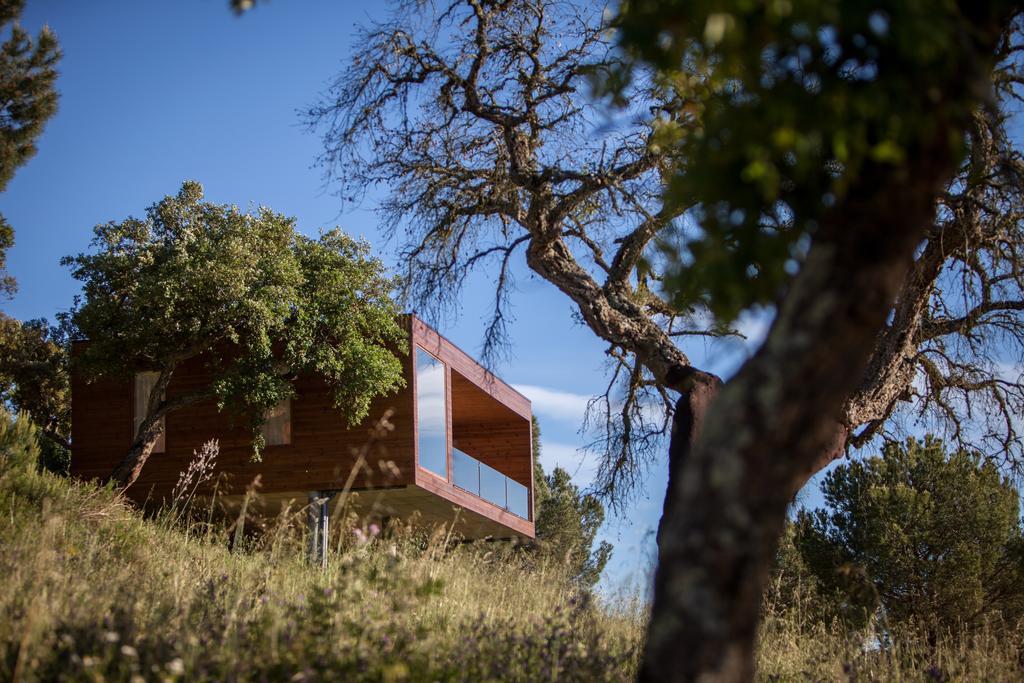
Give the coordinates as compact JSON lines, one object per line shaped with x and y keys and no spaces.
{"x":101,"y":423}
{"x":320,"y":456}
{"x":489,"y":420}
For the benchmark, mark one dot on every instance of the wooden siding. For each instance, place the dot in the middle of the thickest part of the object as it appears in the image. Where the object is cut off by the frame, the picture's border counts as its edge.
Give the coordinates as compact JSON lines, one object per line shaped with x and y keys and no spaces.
{"x":321,"y":455}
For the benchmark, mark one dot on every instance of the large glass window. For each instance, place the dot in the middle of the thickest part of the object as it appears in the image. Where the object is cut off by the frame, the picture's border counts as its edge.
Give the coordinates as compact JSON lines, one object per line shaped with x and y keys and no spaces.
{"x":518,"y":499}
{"x":144,"y":383}
{"x":431,"y":418}
{"x":492,"y":485}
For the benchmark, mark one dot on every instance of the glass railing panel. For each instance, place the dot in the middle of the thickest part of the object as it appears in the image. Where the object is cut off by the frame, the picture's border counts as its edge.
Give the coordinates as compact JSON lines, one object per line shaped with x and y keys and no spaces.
{"x":465,"y":472}
{"x":492,"y":485}
{"x":471,"y":475}
{"x":518,"y":498}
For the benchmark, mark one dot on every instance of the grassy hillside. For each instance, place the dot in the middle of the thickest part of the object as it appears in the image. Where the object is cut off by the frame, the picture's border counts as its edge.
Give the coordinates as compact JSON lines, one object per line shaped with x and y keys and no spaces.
{"x":89,"y":590}
{"x":92,"y":591}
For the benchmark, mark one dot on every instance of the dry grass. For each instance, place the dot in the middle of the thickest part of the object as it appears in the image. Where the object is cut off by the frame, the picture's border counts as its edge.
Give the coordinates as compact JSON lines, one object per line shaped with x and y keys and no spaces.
{"x":790,"y":652}
{"x":794,"y":645}
{"x":90,"y":590}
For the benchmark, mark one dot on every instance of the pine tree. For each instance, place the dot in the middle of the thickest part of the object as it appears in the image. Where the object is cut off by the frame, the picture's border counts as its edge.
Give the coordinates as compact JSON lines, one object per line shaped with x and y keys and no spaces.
{"x":28,"y":99}
{"x":923,"y":536}
{"x":567,"y":521}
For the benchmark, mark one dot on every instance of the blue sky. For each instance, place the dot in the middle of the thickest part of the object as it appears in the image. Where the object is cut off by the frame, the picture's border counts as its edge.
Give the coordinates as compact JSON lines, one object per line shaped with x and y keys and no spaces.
{"x":156,"y":93}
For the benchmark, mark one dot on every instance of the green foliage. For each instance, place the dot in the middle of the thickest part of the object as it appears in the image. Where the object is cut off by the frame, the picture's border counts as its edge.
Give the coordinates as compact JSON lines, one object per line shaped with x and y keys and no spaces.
{"x":540,"y":481}
{"x":931,"y":539}
{"x":27,"y":101}
{"x":7,"y":283}
{"x":27,"y":77}
{"x":258,"y":301}
{"x":34,"y":376}
{"x":19,"y":444}
{"x":567,"y":522}
{"x":795,"y":594}
{"x":777,"y":108}
{"x":34,"y":382}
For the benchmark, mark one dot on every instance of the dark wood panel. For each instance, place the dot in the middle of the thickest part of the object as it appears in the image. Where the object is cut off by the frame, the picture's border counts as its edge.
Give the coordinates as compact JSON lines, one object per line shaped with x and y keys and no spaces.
{"x":323,"y":451}
{"x":101,"y":423}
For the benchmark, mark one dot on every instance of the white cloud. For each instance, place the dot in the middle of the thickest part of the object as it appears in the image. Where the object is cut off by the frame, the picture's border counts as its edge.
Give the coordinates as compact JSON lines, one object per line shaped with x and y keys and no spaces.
{"x":569,"y":409}
{"x":555,"y":404}
{"x":569,"y":457}
{"x":1009,"y":371}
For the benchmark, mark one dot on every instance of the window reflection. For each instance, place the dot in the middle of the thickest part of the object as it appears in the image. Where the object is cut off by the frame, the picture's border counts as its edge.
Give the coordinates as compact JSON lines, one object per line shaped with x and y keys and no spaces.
{"x":431,"y":420}
{"x":277,"y":424}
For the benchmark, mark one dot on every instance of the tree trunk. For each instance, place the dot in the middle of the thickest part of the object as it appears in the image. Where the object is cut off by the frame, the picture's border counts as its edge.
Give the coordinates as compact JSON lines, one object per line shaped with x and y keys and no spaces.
{"x":732,"y":479}
{"x":697,"y":390}
{"x":128,"y":470}
{"x":130,"y":467}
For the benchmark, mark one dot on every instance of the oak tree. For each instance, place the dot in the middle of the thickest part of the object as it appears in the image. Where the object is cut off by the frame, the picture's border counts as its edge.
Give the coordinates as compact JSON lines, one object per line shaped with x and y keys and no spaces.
{"x":828,"y":134}
{"x":814,"y":155}
{"x":256,"y":301}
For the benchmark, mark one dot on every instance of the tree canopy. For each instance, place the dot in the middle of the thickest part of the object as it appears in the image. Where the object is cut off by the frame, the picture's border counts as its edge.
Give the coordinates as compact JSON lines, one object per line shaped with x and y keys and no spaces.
{"x":935,"y":538}
{"x":478,"y":118}
{"x":256,"y":300}
{"x":34,"y":377}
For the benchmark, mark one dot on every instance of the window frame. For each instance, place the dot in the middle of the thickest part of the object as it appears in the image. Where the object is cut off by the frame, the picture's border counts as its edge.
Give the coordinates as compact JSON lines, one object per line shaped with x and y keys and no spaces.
{"x":287,"y":420}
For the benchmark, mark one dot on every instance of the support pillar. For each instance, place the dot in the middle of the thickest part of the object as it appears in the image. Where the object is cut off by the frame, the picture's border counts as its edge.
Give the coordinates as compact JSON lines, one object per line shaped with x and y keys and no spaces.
{"x":318,"y":517}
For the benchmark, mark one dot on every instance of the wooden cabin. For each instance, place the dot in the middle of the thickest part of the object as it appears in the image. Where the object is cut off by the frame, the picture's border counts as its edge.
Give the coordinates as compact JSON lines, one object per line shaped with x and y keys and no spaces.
{"x":459,"y":450}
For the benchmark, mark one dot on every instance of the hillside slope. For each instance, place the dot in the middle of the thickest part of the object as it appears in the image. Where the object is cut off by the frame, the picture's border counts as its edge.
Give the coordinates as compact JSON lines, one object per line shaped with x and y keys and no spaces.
{"x":91,"y":590}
